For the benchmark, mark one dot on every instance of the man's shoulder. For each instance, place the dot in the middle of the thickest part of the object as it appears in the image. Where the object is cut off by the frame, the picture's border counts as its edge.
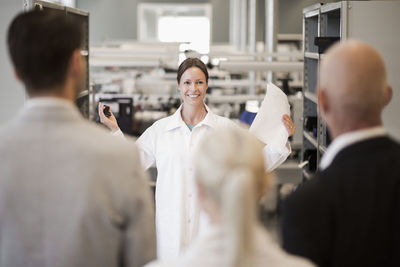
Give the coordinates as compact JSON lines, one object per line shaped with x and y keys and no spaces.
{"x":389,"y":143}
{"x":364,"y":148}
{"x":8,"y":127}
{"x":312,"y":191}
{"x":81,"y":135}
{"x":116,"y":158}
{"x":98,"y":138}
{"x":352,"y":165}
{"x":371,"y":154}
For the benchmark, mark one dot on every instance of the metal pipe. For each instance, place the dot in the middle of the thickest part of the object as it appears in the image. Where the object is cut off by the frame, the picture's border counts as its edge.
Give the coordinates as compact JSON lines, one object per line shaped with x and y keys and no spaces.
{"x":243,"y":25}
{"x":252,"y":26}
{"x":252,"y":40}
{"x":271,"y":30}
{"x":244,"y":66}
{"x":234,"y":25}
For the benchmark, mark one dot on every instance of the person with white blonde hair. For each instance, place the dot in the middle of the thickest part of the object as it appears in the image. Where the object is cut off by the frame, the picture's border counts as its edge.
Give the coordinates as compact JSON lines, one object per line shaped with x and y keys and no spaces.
{"x":230,"y":179}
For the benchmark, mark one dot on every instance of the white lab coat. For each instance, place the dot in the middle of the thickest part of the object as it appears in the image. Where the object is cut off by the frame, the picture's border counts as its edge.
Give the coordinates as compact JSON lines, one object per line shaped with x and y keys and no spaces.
{"x":209,"y":250}
{"x":169,"y":145}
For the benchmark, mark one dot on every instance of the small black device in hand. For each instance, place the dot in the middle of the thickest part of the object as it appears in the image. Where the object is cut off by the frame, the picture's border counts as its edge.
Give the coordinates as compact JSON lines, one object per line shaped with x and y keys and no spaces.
{"x":106,"y":111}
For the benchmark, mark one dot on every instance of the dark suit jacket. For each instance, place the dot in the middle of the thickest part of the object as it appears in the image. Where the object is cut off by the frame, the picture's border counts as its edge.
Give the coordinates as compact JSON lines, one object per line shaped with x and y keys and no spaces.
{"x":349,"y":214}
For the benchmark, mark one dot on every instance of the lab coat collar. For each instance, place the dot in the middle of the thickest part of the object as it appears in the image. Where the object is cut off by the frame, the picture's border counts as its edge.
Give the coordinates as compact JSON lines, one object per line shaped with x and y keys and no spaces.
{"x":177,"y":121}
{"x":210,"y":119}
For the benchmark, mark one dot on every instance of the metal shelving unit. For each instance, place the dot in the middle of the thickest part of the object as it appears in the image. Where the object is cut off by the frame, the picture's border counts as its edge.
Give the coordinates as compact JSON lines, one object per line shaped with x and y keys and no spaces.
{"x":311,"y":139}
{"x":311,"y":55}
{"x":311,"y":30}
{"x":311,"y":96}
{"x":347,"y":20}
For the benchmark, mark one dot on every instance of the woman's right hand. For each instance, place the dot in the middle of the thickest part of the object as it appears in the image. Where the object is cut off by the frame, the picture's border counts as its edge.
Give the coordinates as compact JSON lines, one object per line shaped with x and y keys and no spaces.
{"x":110,"y":122}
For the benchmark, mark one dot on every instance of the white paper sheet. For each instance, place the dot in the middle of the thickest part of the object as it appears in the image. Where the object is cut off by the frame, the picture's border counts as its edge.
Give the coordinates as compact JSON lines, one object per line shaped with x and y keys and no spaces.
{"x":268,"y":125}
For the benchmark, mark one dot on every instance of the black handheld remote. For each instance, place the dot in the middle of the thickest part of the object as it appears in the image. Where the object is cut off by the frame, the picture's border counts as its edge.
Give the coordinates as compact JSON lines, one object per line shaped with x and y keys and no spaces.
{"x":106,"y":111}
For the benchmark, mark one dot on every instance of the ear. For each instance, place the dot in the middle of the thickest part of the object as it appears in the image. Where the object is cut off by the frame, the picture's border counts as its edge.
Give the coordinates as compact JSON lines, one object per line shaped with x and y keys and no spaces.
{"x":323,"y":102}
{"x":75,"y":63}
{"x":388,"y":94}
{"x":17,"y":76}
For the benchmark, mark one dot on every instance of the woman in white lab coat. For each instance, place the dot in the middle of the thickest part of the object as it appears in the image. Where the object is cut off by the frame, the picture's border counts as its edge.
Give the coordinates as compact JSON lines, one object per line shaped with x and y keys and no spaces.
{"x":169,"y":144}
{"x":230,"y":177}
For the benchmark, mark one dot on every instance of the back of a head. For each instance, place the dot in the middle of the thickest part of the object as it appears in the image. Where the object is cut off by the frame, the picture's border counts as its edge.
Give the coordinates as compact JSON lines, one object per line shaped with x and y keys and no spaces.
{"x":231,"y":169}
{"x":40,"y":45}
{"x":353,"y":76}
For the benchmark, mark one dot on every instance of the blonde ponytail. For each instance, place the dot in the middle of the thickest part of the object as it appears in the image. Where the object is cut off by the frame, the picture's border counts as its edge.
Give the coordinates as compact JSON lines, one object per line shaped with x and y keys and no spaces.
{"x":230,"y":168}
{"x":239,"y":215}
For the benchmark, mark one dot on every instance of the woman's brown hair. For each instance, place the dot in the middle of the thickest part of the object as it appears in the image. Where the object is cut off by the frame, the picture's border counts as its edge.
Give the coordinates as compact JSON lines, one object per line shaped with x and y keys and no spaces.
{"x":191,"y":62}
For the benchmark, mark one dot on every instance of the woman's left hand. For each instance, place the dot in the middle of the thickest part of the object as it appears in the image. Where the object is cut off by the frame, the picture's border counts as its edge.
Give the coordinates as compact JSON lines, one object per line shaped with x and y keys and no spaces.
{"x":289,"y":124}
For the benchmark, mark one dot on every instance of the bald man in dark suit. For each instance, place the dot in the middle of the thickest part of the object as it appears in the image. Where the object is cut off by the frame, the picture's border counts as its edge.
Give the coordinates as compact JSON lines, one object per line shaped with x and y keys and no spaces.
{"x":349,"y":213}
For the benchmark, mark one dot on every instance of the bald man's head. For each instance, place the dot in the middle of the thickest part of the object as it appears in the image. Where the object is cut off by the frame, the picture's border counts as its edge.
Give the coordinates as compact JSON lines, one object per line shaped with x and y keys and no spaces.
{"x":353,"y":87}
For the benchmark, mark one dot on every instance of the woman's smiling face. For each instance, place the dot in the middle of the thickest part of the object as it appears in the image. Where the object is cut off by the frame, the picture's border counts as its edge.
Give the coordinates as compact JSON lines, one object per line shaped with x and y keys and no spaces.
{"x":193,"y":86}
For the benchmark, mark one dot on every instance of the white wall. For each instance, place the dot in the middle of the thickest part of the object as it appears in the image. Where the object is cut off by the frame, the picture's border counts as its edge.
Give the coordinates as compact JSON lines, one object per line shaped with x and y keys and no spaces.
{"x":111,"y":20}
{"x":118,"y":19}
{"x":11,"y":92}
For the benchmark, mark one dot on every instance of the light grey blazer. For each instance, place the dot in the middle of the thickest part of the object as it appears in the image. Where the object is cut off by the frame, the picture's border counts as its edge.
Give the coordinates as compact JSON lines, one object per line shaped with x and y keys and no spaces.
{"x":71,"y":194}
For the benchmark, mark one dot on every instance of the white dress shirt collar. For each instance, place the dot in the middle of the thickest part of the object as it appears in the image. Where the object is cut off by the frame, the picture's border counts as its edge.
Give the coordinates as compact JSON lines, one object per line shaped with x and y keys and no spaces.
{"x":348,"y":139}
{"x":48,"y":102}
{"x":48,"y":108}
